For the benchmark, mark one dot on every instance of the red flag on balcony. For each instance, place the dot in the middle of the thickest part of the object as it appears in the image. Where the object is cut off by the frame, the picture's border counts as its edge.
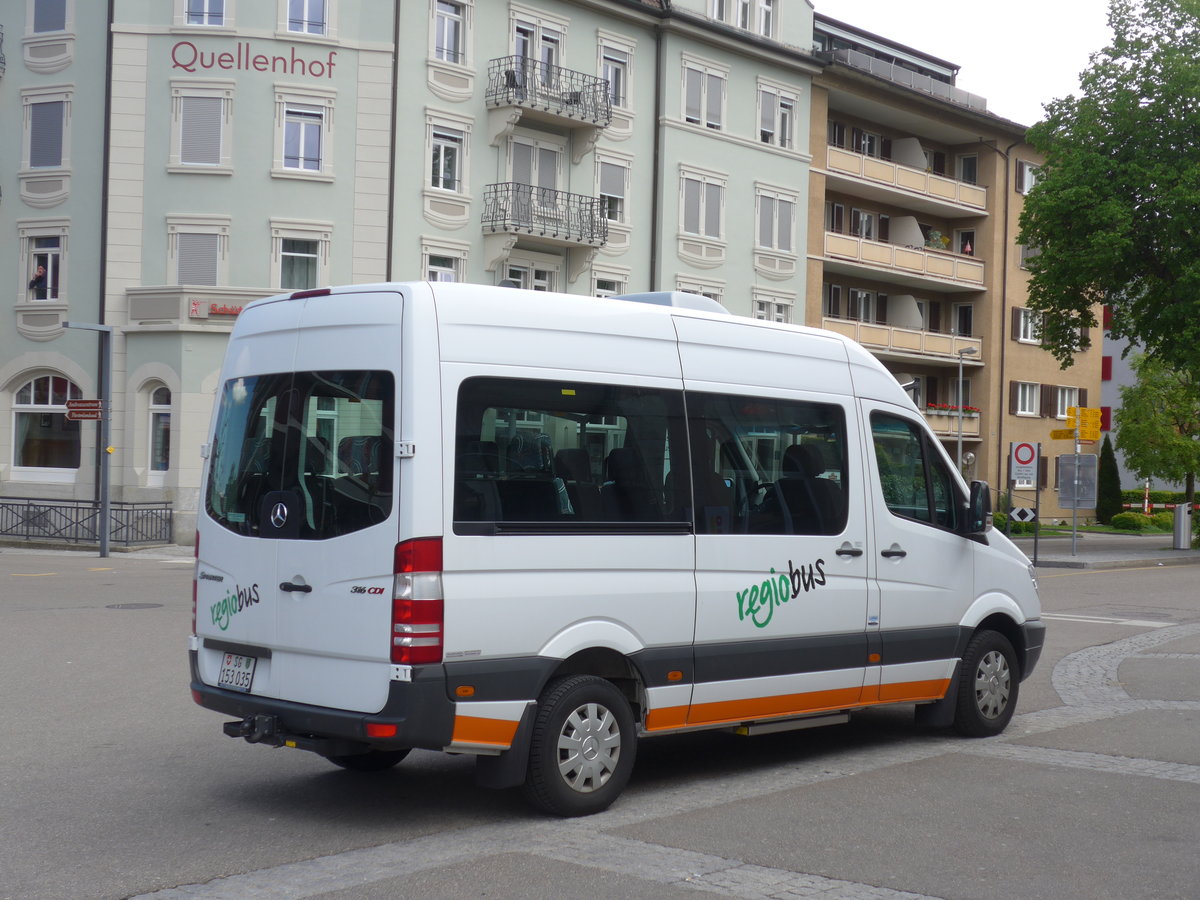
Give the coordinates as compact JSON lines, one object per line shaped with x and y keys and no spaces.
{"x":967,"y":249}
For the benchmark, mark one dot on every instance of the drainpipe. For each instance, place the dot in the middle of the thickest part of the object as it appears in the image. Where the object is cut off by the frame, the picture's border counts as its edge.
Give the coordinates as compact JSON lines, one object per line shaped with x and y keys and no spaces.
{"x":391,"y":189}
{"x":656,"y":185}
{"x":1004,"y":318}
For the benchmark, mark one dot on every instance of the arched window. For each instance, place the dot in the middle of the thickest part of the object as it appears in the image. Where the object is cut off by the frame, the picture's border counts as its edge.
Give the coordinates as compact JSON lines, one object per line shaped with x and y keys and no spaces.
{"x":43,"y":437}
{"x":160,"y":429}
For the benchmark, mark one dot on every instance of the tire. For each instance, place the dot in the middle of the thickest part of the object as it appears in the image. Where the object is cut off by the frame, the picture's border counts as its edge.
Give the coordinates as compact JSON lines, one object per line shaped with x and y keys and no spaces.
{"x":989,"y":682}
{"x":582,"y":747}
{"x":371,"y":761}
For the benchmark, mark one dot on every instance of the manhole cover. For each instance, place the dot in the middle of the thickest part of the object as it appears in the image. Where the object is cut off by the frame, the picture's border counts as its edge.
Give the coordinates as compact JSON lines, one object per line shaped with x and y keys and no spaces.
{"x":133,"y":606}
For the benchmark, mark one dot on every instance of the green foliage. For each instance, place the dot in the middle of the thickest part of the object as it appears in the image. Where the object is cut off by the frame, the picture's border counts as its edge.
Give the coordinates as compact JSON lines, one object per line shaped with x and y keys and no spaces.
{"x":1130,"y":521}
{"x":1114,"y":210}
{"x":1158,"y":498}
{"x":1108,"y":484}
{"x":1163,"y":520}
{"x":1000,"y":523}
{"x":1158,"y":424}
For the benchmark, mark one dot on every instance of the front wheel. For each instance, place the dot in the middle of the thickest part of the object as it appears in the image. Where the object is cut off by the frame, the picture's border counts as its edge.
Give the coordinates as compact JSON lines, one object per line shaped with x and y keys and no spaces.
{"x":582,"y":747}
{"x":989,"y":682}
{"x":371,"y":761}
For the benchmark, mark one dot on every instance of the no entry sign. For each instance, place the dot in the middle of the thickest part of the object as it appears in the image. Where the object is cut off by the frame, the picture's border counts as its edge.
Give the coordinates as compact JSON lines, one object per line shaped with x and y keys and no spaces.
{"x":1023,"y":458}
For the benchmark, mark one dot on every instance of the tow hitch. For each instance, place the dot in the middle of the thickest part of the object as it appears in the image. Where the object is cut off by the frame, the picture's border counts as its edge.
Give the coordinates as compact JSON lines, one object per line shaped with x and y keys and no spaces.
{"x":256,"y":729}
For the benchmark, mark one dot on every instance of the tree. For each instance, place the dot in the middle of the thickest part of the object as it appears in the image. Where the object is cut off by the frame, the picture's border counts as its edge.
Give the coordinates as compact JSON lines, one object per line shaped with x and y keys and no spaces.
{"x":1158,"y":424}
{"x":1113,"y":212}
{"x":1108,"y":485}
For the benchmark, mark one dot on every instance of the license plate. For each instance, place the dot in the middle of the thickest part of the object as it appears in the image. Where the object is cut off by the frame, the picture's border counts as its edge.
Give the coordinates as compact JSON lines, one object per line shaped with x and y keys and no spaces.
{"x":237,"y":672}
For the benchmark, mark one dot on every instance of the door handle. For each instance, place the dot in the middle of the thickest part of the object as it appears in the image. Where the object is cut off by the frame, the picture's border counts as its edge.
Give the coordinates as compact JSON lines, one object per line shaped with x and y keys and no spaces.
{"x":893,"y":554}
{"x":848,"y":551}
{"x":301,"y":588}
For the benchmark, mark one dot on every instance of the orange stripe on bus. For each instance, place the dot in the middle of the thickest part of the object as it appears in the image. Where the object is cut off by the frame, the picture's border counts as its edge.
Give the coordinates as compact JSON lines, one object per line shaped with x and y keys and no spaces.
{"x":731,"y":711}
{"x":475,"y":730}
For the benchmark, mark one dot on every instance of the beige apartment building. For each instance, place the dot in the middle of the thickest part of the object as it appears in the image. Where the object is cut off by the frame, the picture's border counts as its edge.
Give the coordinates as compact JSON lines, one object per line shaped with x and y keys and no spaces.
{"x":915,"y":196}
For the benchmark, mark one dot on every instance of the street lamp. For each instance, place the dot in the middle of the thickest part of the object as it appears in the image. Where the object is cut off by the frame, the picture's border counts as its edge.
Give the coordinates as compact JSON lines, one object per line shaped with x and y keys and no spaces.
{"x":965,"y":351}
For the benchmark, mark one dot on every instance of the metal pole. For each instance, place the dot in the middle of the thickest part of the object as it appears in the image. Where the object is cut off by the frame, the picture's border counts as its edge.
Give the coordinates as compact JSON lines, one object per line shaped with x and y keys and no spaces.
{"x":105,"y":435}
{"x":1075,"y":497}
{"x":958,"y":454}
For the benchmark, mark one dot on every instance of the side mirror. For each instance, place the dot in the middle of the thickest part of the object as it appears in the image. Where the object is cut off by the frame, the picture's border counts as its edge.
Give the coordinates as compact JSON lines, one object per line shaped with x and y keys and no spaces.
{"x":979,"y":509}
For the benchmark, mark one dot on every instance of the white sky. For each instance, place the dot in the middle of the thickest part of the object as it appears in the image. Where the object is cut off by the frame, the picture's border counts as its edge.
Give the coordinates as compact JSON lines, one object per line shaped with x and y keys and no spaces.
{"x":1019,"y":54}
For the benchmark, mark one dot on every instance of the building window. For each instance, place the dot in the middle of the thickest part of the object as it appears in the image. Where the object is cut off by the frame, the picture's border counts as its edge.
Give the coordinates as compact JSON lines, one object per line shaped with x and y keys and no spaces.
{"x":531,"y":276}
{"x":303,"y":134}
{"x":836,"y":134}
{"x":868,"y":143}
{"x":608,"y":286}
{"x":160,"y":429}
{"x":1028,"y":399}
{"x":46,"y":259}
{"x":205,"y":12}
{"x":197,"y":249}
{"x":772,"y":309}
{"x":776,"y":116}
{"x":703,"y":206}
{"x":441,"y":268}
{"x":1066,"y":398}
{"x":965,"y":241}
{"x":758,"y":15}
{"x":298,"y":264}
{"x":449,"y":32}
{"x":1027,"y":176}
{"x":613,"y":179}
{"x":964,"y":316}
{"x":1028,"y":326}
{"x":614,"y":68}
{"x":47,"y":126}
{"x":861,"y":306}
{"x":776,"y":219}
{"x":831,"y":300}
{"x":202,"y":127}
{"x":446,"y":172}
{"x":300,"y":253}
{"x":711,"y":289}
{"x":968,"y":169}
{"x":307,"y":16}
{"x":704,"y":97}
{"x":766,"y":18}
{"x":302,"y":138}
{"x":43,"y":436}
{"x":538,"y":40}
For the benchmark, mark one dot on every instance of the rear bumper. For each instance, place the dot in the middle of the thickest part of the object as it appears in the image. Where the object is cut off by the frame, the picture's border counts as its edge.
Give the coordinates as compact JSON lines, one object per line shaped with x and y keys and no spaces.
{"x":419,"y":709}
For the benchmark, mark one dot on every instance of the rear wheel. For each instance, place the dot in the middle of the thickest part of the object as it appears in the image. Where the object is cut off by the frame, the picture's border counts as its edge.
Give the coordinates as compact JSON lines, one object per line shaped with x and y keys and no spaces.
{"x":371,"y":761}
{"x":989,"y":681}
{"x":582,"y":747}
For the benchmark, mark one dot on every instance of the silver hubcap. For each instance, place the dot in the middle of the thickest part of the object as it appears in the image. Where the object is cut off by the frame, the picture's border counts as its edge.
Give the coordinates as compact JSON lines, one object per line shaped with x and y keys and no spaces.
{"x":993,"y":680}
{"x":589,"y":746}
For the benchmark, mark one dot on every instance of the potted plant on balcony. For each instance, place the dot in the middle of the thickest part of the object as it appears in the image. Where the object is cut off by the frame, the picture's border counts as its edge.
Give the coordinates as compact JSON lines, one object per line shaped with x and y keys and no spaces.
{"x":937,"y":240}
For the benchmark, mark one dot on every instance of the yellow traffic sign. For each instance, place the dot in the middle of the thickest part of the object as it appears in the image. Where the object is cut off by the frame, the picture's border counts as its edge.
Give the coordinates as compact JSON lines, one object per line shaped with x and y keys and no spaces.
{"x":1062,"y":434}
{"x":1090,"y":416}
{"x":1089,"y":432}
{"x":1070,"y":422}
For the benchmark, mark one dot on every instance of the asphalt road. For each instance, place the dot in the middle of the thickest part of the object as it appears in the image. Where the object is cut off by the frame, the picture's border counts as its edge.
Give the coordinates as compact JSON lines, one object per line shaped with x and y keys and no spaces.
{"x":113,"y":784}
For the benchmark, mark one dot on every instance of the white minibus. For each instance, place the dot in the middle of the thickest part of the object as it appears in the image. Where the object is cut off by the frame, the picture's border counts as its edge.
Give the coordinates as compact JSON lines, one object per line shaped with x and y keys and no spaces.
{"x":536,"y":528}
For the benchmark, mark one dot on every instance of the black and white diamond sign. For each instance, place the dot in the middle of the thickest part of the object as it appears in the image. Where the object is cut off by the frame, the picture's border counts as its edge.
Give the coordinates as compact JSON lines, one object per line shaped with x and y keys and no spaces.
{"x":1023,"y":514}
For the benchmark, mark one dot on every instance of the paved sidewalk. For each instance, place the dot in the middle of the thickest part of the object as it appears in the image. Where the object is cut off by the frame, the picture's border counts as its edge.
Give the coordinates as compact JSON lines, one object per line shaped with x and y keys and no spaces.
{"x":1106,"y":551}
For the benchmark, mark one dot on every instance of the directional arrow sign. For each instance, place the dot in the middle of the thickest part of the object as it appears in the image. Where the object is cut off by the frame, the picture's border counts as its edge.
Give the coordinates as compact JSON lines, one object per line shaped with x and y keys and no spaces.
{"x":1089,"y":432}
{"x":1024,"y":514}
{"x":1089,"y":416}
{"x":1062,"y":434}
{"x":85,"y":415}
{"x":85,"y":404}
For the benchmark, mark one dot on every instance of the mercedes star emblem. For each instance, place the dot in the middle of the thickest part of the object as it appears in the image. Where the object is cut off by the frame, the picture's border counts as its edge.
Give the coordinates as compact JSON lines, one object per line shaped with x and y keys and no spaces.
{"x":278,"y":515}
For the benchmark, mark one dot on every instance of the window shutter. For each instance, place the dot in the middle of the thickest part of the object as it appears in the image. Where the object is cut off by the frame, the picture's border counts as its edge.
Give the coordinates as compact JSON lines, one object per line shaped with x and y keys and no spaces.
{"x":1013,"y":390}
{"x":691,"y":206}
{"x":766,"y":122}
{"x":1043,"y":467}
{"x":692,"y":87}
{"x":1016,"y":324}
{"x":197,"y":256}
{"x":46,"y":134}
{"x":1083,"y":398}
{"x":885,"y":223}
{"x":712,"y":210}
{"x":1049,"y":400}
{"x":716,"y":87}
{"x":1020,"y":177}
{"x":612,"y":180}
{"x":931,"y":390}
{"x":200,"y":135}
{"x":881,"y":309}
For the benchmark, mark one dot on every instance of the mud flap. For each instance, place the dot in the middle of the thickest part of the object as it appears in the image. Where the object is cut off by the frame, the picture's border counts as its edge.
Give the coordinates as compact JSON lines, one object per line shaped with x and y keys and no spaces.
{"x":508,"y":768}
{"x":940,"y":713}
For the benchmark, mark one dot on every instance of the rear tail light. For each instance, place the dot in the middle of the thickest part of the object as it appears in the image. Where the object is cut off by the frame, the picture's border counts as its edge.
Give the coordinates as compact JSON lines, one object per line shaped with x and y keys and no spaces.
{"x":195,"y":576}
{"x":417,"y":608}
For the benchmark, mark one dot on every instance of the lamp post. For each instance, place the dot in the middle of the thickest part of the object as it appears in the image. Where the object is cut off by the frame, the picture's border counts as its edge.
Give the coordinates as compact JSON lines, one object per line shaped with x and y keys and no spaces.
{"x":965,"y":351}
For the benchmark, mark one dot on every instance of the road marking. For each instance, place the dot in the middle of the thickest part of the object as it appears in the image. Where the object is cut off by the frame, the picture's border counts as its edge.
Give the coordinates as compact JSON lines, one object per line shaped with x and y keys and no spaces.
{"x":31,"y":574}
{"x":101,"y":569}
{"x":1106,"y":620}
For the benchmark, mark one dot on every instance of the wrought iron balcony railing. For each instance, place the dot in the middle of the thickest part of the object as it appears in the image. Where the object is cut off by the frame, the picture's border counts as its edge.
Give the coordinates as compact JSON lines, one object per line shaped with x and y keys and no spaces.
{"x":519,"y":81}
{"x":544,"y":212}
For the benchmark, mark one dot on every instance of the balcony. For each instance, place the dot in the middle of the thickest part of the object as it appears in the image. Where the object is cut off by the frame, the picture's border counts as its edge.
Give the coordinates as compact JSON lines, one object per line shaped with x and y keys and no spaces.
{"x":899,"y":75}
{"x":906,"y":186}
{"x":520,"y":88}
{"x":898,"y":343}
{"x":944,"y":423}
{"x":917,"y":267}
{"x":544,"y":217}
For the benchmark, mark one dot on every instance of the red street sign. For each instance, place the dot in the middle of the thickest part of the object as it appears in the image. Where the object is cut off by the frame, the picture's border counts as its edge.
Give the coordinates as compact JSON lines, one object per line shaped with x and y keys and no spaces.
{"x":85,"y":415}
{"x":85,"y":404}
